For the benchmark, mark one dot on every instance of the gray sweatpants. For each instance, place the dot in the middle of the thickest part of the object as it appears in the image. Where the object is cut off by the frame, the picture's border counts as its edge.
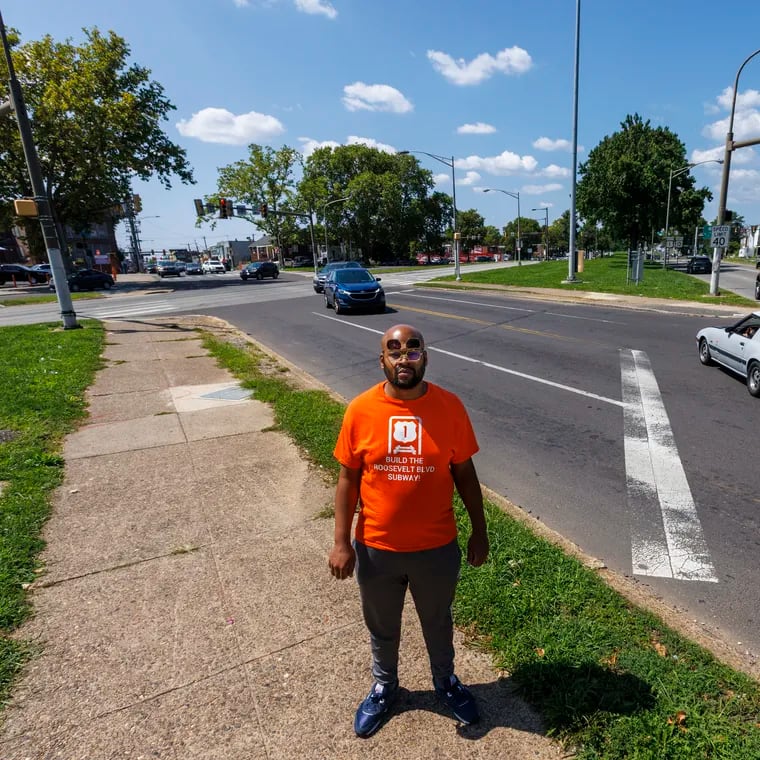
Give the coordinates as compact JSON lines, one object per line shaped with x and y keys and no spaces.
{"x":431,"y":576}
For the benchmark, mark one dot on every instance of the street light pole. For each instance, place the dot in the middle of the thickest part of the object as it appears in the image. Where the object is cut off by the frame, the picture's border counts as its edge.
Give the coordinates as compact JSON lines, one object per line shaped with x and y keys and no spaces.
{"x":455,"y":239}
{"x":675,"y":173}
{"x":49,"y":232}
{"x":512,"y":195}
{"x":324,"y":220}
{"x":545,"y":209}
{"x":730,"y":146}
{"x":572,"y":263}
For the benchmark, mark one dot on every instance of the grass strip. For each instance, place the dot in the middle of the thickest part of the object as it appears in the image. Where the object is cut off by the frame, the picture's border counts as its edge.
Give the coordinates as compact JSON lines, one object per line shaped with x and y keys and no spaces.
{"x":44,"y":372}
{"x":611,"y":680}
{"x":604,"y":275}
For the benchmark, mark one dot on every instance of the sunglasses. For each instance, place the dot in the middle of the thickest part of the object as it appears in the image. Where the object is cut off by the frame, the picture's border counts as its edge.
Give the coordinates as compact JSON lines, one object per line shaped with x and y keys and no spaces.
{"x":412,"y":354}
{"x":413,"y":350}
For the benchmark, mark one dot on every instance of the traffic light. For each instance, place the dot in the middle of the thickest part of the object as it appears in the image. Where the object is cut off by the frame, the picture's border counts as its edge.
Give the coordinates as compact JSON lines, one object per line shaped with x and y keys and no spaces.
{"x":728,"y":216}
{"x":137,"y":203}
{"x":199,"y":210}
{"x":222,"y":208}
{"x":263,"y":210}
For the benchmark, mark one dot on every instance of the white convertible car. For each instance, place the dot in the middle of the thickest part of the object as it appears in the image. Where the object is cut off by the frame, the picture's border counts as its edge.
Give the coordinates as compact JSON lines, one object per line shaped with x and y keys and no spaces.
{"x":736,"y":347}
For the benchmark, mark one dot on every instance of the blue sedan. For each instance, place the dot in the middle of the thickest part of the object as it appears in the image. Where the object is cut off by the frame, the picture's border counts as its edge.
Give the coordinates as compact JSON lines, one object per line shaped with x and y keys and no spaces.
{"x":354,"y":288}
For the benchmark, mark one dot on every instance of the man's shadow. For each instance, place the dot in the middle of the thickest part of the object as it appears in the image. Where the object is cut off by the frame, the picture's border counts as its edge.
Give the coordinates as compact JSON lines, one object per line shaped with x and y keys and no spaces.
{"x":541,"y":697}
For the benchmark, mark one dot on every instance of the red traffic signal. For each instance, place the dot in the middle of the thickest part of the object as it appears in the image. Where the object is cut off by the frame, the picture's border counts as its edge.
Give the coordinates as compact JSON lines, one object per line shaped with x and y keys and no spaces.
{"x":225,"y":208}
{"x":263,"y":210}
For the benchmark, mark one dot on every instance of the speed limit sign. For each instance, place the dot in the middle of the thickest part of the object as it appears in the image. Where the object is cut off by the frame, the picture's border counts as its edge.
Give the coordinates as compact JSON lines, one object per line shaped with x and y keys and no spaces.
{"x":720,"y":235}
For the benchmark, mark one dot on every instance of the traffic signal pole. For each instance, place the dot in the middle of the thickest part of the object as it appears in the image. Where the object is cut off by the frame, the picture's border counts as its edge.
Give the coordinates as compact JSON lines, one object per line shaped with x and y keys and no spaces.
{"x":47,"y":222}
{"x":731,"y":146}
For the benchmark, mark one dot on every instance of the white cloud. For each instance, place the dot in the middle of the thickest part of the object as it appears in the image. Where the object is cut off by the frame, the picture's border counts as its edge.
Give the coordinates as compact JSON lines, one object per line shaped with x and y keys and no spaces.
{"x":745,"y":174}
{"x":711,"y":154}
{"x":503,"y":164}
{"x":218,"y":125}
{"x":746,"y":115}
{"x":512,"y":60}
{"x":309,"y":145}
{"x":315,"y":7}
{"x":555,"y":171}
{"x":540,"y":190}
{"x":546,"y":143}
{"x":442,"y":178}
{"x":478,"y":128}
{"x":241,"y":3}
{"x":470,"y":178}
{"x":370,"y":142}
{"x":744,"y":100}
{"x":374,"y":97}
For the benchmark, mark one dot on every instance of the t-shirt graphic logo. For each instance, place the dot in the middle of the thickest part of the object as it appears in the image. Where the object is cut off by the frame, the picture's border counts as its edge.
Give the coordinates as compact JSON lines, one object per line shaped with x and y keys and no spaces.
{"x":405,"y":435}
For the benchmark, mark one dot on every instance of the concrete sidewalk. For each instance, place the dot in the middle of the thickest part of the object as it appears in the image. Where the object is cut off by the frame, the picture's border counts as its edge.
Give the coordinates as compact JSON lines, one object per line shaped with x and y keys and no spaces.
{"x":186,"y":610}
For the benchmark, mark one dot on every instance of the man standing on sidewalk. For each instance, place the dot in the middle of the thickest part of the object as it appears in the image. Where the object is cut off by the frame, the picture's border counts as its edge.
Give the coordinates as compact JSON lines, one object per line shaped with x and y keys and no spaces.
{"x":404,"y":445}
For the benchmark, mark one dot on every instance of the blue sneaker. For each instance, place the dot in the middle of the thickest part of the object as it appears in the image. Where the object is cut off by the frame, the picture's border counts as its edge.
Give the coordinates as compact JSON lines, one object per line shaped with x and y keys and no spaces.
{"x":373,"y":711}
{"x":459,"y":700}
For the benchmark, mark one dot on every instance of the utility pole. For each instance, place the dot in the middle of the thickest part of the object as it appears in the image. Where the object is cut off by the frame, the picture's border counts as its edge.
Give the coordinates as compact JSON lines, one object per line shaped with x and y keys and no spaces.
{"x":49,"y":232}
{"x":134,"y":236}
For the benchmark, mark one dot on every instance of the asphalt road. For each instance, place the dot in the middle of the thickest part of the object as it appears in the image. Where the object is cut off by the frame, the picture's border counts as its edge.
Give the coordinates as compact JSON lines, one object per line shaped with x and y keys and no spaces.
{"x":545,"y":384}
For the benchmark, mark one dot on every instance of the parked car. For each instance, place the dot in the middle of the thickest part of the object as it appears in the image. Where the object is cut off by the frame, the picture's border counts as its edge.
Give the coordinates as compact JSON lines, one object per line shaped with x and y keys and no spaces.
{"x":45,"y":267}
{"x":699,"y":265}
{"x":88,"y":279}
{"x":213,"y":266}
{"x":757,"y":288}
{"x":736,"y":348}
{"x":319,"y":278}
{"x":258,"y":270}
{"x":193,"y":267}
{"x":170,"y":268}
{"x":22,"y":274}
{"x":353,"y":288}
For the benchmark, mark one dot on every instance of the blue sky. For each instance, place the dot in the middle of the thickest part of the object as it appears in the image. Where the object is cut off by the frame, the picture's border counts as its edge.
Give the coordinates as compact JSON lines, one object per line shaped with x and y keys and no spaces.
{"x":489,"y":82}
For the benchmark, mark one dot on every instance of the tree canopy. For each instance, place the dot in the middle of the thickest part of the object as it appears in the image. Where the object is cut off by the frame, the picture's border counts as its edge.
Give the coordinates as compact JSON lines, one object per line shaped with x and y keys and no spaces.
{"x":380,"y":202}
{"x":624,"y":183}
{"x":96,"y":121}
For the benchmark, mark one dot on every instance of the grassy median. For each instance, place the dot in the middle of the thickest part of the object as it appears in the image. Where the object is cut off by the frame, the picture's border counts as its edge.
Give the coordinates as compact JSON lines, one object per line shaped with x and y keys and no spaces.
{"x":44,"y":372}
{"x":610,"y":679}
{"x":608,"y":274}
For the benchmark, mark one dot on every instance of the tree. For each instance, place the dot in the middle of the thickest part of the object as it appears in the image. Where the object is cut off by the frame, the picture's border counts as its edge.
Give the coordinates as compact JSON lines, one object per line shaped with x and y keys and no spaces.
{"x":96,"y":121}
{"x":624,"y":182}
{"x":388,"y":198}
{"x":472,"y":226}
{"x":530,"y":231}
{"x":492,"y":236}
{"x":265,"y":177}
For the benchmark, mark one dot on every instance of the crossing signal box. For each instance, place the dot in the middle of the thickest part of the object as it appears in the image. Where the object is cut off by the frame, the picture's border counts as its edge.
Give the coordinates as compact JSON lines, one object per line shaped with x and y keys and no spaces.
{"x":263,"y":210}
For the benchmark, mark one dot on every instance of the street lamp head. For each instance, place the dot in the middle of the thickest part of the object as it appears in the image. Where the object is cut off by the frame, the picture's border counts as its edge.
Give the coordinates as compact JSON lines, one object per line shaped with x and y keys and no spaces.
{"x":402,"y":153}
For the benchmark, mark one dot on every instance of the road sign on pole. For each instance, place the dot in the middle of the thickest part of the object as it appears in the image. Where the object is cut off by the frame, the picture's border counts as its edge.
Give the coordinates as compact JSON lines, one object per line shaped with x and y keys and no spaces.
{"x":720,"y":235}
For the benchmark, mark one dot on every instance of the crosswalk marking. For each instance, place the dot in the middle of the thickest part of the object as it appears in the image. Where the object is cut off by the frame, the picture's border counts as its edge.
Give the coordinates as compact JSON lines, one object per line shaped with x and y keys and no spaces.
{"x":667,"y":540}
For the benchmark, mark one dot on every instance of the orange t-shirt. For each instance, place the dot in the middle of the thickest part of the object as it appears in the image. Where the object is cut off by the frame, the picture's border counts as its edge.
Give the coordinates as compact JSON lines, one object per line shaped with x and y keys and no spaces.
{"x":404,"y":450}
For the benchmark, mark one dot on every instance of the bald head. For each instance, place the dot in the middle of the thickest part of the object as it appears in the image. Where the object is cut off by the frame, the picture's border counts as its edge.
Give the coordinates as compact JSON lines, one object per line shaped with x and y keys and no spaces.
{"x":399,"y":335}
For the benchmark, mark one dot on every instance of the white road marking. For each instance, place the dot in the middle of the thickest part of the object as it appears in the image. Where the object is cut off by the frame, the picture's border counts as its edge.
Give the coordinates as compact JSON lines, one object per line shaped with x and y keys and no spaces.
{"x":417,"y":294}
{"x":497,"y":367}
{"x":667,"y":540}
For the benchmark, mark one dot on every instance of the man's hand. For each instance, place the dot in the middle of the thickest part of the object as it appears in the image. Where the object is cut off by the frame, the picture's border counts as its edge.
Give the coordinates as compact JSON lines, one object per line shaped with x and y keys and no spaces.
{"x":341,"y":561}
{"x":477,"y":549}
